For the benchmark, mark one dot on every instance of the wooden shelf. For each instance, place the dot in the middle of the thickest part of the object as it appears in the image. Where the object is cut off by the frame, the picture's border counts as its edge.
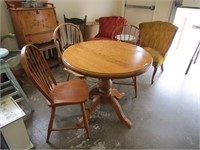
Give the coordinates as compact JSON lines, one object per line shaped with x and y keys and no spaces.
{"x":45,"y":46}
{"x":50,"y":53}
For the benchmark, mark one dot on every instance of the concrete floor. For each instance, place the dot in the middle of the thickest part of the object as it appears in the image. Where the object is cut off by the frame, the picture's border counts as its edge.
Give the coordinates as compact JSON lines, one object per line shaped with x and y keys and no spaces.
{"x":165,"y":115}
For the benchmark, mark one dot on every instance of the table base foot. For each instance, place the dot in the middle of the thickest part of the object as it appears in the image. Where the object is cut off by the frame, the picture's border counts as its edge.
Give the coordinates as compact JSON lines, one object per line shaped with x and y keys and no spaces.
{"x":116,"y":107}
{"x":117,"y":94}
{"x":107,"y":95}
{"x":120,"y":113}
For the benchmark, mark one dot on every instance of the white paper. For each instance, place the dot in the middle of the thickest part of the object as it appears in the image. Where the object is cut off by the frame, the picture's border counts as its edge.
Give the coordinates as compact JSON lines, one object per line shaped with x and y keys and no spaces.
{"x":9,"y":111}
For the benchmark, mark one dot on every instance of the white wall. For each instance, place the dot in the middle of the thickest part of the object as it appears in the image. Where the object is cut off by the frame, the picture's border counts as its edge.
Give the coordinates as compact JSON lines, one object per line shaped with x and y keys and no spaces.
{"x":6,"y":26}
{"x":92,"y":8}
{"x":136,"y":15}
{"x":72,"y":8}
{"x":163,"y":9}
{"x":191,"y":3}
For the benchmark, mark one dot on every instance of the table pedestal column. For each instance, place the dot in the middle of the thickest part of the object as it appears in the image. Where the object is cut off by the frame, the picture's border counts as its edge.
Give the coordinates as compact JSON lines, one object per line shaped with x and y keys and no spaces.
{"x":105,"y":96}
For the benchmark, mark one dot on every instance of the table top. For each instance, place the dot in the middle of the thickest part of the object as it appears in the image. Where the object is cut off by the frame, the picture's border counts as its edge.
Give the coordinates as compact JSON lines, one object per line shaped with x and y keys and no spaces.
{"x":107,"y":59}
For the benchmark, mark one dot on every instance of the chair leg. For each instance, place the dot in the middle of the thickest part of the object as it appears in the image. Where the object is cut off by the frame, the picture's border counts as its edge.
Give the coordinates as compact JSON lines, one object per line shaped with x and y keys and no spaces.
{"x":68,"y":76}
{"x":135,"y":85}
{"x":85,"y":119}
{"x":53,"y":109}
{"x":162,"y":68}
{"x":154,"y":72}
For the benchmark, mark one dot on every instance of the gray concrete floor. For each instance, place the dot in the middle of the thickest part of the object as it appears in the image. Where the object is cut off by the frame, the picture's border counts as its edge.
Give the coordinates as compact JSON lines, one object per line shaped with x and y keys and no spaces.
{"x":165,"y":115}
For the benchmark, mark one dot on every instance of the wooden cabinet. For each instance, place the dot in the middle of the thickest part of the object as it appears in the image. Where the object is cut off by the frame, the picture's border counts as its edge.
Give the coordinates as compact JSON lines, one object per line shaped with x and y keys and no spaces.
{"x":33,"y":25}
{"x":36,"y":26}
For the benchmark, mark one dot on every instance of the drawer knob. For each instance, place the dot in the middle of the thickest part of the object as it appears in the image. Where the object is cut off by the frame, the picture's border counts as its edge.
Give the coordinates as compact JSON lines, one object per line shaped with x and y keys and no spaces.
{"x":37,"y":12}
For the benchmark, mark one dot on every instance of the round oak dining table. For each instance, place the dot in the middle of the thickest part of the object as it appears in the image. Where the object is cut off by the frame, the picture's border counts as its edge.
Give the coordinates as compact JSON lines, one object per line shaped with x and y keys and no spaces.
{"x":107,"y":60}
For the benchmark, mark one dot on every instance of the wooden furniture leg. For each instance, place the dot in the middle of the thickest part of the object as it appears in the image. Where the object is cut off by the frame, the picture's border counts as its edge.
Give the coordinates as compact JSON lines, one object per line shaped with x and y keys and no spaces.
{"x":105,"y":96}
{"x":93,"y":105}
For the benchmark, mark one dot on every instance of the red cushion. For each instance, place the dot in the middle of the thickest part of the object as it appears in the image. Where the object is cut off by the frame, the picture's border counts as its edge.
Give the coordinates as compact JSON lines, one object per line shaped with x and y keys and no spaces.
{"x":108,"y":24}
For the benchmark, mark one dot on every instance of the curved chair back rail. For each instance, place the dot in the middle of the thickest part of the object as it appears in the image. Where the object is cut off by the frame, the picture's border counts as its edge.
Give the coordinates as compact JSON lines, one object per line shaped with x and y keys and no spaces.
{"x":157,"y":35}
{"x":128,"y":34}
{"x":65,"y":35}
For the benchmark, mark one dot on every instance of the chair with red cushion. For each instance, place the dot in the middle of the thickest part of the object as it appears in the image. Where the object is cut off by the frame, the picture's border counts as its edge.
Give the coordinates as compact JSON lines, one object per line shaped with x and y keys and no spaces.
{"x":107,"y":25}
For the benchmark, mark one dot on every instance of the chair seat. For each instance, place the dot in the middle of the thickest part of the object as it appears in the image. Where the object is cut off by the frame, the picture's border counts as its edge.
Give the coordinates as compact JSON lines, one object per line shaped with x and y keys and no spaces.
{"x":158,"y":59}
{"x":72,"y":95}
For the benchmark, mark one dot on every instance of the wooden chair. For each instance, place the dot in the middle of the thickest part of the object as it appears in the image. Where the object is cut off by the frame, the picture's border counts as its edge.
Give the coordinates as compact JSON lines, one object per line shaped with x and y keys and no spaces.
{"x":107,"y":25}
{"x":156,"y":38}
{"x":65,"y":35}
{"x":81,"y":23}
{"x":57,"y":94}
{"x":129,"y":34}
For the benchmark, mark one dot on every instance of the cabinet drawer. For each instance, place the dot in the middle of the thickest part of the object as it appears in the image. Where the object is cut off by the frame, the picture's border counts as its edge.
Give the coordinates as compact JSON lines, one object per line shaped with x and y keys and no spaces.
{"x":38,"y":38}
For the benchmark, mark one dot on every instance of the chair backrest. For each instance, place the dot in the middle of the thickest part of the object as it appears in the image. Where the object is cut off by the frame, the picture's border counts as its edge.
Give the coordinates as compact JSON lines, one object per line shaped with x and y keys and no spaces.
{"x":157,"y":34}
{"x":65,"y":35}
{"x":108,"y":24}
{"x":129,"y":34}
{"x":81,"y":23}
{"x":38,"y":70}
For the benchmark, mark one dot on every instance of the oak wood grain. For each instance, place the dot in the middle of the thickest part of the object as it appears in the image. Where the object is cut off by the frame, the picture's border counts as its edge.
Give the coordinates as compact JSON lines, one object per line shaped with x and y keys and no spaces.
{"x":107,"y":59}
